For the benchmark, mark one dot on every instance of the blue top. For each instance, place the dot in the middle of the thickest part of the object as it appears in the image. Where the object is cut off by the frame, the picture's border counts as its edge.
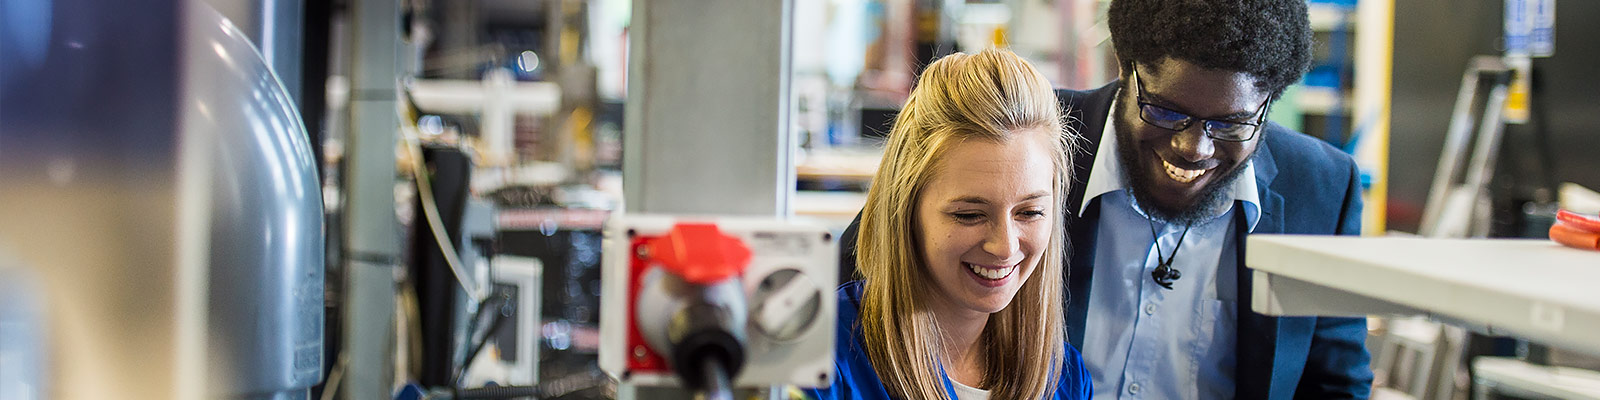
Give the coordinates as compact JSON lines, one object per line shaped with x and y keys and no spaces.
{"x":855,"y":379}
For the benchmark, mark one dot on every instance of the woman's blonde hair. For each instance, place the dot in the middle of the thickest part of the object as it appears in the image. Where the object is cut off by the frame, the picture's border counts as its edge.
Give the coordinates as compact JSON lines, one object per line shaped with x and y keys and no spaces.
{"x":992,"y":95}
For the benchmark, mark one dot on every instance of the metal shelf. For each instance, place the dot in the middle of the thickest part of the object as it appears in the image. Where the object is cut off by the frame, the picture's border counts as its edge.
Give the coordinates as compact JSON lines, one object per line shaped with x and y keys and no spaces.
{"x":1326,"y":17}
{"x":1534,"y":289}
{"x":1507,"y":375}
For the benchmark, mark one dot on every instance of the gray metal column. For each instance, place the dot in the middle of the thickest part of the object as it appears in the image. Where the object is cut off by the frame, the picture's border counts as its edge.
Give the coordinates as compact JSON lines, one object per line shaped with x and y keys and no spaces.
{"x":707,"y":128}
{"x":372,"y":239}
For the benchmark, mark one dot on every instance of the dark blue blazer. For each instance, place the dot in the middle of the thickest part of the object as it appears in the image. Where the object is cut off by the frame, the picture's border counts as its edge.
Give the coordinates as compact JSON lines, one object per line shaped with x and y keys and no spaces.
{"x":1306,"y":187}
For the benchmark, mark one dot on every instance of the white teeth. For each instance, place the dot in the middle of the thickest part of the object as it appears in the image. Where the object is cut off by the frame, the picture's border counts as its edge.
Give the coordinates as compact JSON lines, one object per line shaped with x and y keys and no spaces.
{"x":989,"y":273}
{"x":1181,"y":175}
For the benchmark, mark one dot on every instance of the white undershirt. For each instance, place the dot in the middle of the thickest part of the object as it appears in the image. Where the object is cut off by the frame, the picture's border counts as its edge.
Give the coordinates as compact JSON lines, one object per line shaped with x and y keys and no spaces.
{"x":964,"y":392}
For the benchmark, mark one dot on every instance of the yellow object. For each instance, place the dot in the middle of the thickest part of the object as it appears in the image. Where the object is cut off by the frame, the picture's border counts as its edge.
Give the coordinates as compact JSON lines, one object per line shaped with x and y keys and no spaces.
{"x":1375,"y":64}
{"x":1517,"y":99}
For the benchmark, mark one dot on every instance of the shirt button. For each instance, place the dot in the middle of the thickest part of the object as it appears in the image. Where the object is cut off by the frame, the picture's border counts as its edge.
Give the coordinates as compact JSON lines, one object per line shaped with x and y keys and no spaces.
{"x":1133,"y":389}
{"x":1149,"y":309}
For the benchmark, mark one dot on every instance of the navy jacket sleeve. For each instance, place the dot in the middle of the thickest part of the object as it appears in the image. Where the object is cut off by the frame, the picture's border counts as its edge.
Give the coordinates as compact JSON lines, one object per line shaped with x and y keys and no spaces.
{"x":1338,"y":365}
{"x":847,"y":250}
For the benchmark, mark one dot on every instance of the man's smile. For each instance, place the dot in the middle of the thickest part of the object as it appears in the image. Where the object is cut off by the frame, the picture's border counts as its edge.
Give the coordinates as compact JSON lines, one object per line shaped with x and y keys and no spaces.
{"x":1182,"y":175}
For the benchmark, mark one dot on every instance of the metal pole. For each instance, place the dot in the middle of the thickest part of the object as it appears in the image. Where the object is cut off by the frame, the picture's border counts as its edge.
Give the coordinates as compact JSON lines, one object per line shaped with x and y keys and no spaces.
{"x":707,"y":126}
{"x":372,"y":234}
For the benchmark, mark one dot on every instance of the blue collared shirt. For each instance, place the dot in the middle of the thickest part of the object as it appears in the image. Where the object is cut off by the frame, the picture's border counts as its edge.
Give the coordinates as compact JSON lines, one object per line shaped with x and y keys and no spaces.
{"x":854,"y":378}
{"x":1145,"y":341}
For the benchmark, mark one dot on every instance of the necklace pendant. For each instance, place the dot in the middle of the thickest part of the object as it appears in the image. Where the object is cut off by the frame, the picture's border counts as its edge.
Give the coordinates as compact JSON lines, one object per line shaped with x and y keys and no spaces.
{"x":1165,"y":275}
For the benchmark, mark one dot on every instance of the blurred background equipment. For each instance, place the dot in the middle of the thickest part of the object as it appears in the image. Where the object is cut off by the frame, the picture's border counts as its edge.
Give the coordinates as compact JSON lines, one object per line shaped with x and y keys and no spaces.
{"x":711,"y":306}
{"x":671,"y":325}
{"x":1458,"y":202}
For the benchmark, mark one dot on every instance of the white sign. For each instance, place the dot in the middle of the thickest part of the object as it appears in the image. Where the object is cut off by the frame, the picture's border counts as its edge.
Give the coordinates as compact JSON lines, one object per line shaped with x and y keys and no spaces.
{"x":1542,"y":39}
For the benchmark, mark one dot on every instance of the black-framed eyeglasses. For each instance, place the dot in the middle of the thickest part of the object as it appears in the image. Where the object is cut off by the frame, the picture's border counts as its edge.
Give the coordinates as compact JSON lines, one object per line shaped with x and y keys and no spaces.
{"x":1224,"y":130}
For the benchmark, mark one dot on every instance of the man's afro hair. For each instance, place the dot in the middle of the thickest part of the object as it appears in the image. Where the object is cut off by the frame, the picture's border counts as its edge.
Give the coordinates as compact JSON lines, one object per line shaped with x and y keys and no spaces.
{"x":1266,"y":39}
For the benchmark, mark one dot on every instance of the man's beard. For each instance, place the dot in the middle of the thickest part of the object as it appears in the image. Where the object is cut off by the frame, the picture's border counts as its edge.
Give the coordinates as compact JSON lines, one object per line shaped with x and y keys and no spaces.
{"x":1136,"y":175}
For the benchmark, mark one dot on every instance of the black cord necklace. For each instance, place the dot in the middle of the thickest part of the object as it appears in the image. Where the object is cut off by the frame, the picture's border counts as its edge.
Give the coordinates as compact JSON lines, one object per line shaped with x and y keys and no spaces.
{"x":1165,"y":274}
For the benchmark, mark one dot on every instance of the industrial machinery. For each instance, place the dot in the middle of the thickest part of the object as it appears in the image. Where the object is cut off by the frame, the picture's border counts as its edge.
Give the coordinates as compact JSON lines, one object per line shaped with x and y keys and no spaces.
{"x":712,"y":305}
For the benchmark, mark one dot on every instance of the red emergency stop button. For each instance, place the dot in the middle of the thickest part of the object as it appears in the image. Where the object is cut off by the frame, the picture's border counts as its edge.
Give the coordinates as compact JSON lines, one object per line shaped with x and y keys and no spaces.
{"x":699,"y":253}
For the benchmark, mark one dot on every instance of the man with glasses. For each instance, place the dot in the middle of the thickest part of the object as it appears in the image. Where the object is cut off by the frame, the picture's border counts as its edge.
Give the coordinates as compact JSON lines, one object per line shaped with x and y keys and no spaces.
{"x":1181,"y":166}
{"x":1178,"y":165}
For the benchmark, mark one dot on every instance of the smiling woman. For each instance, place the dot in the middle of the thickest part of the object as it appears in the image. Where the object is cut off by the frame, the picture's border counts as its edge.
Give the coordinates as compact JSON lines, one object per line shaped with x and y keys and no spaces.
{"x":960,"y":243}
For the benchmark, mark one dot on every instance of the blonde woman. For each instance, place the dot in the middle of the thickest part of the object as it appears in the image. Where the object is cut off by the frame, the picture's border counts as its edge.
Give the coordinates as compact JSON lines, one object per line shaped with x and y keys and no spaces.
{"x":960,"y":245}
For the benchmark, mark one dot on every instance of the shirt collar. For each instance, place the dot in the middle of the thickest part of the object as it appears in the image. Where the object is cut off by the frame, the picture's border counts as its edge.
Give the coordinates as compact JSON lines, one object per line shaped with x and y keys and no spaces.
{"x":1105,"y":176}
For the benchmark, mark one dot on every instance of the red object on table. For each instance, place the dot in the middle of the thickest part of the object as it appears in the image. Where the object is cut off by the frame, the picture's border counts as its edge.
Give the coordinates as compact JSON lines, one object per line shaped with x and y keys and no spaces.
{"x":1572,"y":236}
{"x":1579,"y":221}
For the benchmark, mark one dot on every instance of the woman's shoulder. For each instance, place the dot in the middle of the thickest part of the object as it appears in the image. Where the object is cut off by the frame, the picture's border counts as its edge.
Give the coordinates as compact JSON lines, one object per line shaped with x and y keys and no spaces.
{"x":848,"y":327}
{"x":851,"y":291}
{"x":854,"y":377}
{"x":849,"y":304}
{"x":1075,"y":383}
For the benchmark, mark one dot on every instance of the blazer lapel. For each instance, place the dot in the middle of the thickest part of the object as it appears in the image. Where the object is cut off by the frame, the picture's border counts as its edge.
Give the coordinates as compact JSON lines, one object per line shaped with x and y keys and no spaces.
{"x":1264,"y":369}
{"x":1271,"y":202}
{"x":1088,"y":112}
{"x":1257,"y":340}
{"x":1080,"y":270}
{"x":1257,"y":334}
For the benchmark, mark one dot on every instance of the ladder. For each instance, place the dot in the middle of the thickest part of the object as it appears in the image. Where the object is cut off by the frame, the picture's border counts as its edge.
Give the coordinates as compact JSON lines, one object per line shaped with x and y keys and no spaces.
{"x":1458,"y":202}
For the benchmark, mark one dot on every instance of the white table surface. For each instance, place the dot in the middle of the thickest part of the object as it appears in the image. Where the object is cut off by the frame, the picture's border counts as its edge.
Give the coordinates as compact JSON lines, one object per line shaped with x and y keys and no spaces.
{"x":1534,"y":289}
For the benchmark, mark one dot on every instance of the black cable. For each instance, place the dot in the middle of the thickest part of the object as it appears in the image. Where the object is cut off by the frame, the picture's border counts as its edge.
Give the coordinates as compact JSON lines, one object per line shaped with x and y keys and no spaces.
{"x":472,"y":324}
{"x":715,"y":381}
{"x":495,"y":294}
{"x":497,"y":392}
{"x":506,"y":308}
{"x":1165,"y":274}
